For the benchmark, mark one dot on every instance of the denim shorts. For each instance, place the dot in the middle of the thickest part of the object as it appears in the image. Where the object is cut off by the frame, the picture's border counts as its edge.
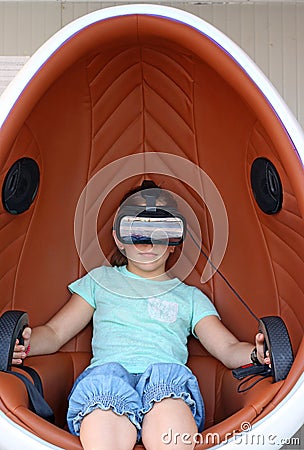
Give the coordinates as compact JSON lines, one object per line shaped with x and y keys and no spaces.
{"x":111,"y":386}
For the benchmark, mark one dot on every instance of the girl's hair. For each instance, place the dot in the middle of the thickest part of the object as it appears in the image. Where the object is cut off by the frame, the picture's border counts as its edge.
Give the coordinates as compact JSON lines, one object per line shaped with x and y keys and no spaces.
{"x":134,"y":198}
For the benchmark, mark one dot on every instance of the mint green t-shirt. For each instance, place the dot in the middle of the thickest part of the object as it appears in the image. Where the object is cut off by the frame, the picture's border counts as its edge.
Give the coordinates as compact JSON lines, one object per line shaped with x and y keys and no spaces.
{"x":138,"y":321}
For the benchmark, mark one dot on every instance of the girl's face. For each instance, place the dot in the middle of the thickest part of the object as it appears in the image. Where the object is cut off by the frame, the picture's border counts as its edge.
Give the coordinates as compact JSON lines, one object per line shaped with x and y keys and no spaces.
{"x":146,"y":260}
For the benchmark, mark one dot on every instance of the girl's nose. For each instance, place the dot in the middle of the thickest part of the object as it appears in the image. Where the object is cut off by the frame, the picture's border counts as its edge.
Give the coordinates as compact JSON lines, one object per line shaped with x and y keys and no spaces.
{"x":146,"y":247}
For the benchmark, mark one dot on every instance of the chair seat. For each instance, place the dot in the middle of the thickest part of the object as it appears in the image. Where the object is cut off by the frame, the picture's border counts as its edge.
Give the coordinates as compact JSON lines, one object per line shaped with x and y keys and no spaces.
{"x":224,"y":405}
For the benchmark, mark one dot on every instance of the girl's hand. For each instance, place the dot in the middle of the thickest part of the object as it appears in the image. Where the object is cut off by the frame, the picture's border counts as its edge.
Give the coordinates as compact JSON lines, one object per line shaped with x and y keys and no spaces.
{"x":259,"y":342}
{"x":21,"y":351}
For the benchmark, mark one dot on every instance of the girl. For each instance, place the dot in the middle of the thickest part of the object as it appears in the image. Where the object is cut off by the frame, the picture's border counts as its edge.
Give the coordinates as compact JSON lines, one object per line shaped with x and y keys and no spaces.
{"x":137,"y":385}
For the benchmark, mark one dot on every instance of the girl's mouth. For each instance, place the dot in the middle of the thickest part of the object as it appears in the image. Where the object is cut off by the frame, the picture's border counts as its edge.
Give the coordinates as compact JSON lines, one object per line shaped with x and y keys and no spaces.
{"x":148,"y":254}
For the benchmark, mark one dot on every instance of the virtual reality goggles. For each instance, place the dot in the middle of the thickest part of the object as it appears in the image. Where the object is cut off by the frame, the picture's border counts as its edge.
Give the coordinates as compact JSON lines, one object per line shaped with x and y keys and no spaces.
{"x":150,"y":224}
{"x":135,"y":225}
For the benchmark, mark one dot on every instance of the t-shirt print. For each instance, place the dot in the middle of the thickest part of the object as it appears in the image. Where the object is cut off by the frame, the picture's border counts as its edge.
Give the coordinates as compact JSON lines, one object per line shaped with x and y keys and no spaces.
{"x":162,"y":310}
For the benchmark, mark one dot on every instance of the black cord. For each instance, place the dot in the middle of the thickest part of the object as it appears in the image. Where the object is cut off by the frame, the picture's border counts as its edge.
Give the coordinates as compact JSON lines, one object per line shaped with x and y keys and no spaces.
{"x":262,"y":376}
{"x":223,"y":277}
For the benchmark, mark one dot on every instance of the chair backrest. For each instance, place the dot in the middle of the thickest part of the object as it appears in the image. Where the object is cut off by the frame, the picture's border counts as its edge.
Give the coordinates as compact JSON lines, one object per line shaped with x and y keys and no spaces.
{"x":172,"y":91}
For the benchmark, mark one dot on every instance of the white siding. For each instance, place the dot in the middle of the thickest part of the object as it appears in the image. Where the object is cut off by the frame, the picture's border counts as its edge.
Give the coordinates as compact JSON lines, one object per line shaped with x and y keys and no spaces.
{"x":272,"y":33}
{"x":9,"y":67}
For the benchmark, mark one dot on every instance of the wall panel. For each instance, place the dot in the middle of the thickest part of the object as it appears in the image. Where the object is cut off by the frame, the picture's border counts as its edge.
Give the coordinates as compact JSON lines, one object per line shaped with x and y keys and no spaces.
{"x":272,"y":33}
{"x":299,"y":87}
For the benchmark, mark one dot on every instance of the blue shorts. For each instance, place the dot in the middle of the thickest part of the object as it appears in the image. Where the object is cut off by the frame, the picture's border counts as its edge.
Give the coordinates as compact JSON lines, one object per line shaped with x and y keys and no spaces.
{"x":111,"y":386}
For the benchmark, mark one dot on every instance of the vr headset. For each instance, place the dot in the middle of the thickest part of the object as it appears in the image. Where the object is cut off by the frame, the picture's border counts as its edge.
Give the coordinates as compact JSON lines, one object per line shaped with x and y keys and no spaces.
{"x":150,"y":224}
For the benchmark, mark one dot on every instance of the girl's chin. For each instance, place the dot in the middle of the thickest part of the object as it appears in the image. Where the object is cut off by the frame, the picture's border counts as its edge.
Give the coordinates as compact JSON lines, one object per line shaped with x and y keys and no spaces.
{"x":147,"y":259}
{"x":146,"y":265}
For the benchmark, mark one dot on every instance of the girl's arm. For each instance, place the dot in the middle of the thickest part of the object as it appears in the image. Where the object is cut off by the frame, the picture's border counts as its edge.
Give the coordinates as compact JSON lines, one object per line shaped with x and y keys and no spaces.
{"x":49,"y":338}
{"x":222,"y":344}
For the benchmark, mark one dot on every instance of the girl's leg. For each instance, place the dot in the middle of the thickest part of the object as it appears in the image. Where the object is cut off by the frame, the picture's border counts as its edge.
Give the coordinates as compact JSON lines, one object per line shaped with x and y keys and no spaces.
{"x":105,"y":430}
{"x":169,"y":425}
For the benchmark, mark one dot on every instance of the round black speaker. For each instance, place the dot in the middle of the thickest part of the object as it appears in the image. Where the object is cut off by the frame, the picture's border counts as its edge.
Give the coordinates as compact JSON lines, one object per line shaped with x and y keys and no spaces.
{"x":20,"y":186}
{"x":266,"y":186}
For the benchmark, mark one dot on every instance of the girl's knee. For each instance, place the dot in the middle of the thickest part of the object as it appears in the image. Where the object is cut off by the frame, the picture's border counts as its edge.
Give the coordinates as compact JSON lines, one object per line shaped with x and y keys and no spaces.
{"x":102,"y":430}
{"x":169,"y":424}
{"x":172,"y":409}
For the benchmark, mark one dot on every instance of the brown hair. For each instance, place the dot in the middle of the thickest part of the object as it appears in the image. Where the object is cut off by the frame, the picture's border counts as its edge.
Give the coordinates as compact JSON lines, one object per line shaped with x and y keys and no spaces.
{"x":134,"y":198}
